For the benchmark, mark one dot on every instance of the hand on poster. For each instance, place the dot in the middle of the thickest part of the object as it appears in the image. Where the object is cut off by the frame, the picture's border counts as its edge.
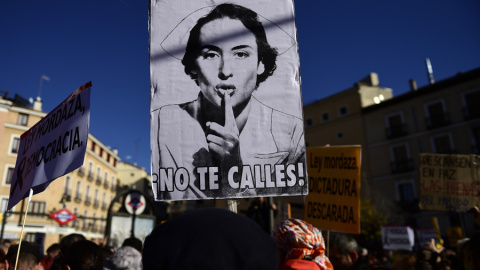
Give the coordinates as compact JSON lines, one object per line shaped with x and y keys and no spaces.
{"x":223,"y":141}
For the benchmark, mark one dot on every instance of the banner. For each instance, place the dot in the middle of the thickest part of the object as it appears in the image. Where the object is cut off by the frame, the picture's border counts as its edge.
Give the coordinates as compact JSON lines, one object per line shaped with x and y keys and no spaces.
{"x":226,"y":109}
{"x":53,"y":147}
{"x":449,"y":182}
{"x":333,"y":201}
{"x":397,"y":237}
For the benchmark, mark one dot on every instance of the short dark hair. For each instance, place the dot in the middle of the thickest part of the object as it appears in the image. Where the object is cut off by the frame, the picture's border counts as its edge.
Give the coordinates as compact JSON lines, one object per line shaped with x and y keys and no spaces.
{"x":266,"y":54}
{"x":83,"y":254}
{"x":28,"y":258}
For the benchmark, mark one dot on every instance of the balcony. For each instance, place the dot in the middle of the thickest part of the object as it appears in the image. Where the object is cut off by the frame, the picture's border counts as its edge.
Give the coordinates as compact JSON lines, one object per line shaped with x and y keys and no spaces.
{"x":438,"y":120}
{"x":471,"y":113}
{"x":81,"y":171}
{"x":400,"y":166}
{"x":90,"y":176}
{"x":396,"y":131}
{"x":96,"y":204}
{"x":88,"y":201}
{"x":105,"y":184}
{"x":78,"y":197}
{"x":99,"y":181}
{"x":104,"y":206}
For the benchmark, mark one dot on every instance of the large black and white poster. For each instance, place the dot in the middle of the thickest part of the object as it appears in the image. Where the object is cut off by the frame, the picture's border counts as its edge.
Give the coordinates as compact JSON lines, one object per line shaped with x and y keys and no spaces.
{"x":226,"y":108}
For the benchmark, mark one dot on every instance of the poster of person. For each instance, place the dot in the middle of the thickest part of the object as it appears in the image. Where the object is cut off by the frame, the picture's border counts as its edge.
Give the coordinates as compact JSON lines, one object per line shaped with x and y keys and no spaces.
{"x":226,"y":108}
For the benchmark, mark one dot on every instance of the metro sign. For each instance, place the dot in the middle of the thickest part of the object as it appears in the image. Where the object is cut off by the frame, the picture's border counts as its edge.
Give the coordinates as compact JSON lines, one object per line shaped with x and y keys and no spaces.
{"x":63,"y":216}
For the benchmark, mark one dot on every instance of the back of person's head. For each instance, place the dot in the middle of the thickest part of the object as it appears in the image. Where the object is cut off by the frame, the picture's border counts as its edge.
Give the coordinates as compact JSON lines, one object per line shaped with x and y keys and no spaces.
{"x":297,"y":239}
{"x":83,"y":255}
{"x":209,"y":238}
{"x":69,"y":240}
{"x":124,"y":258}
{"x":133,"y":242}
{"x":343,"y":251}
{"x":53,"y":250}
{"x":28,"y":259}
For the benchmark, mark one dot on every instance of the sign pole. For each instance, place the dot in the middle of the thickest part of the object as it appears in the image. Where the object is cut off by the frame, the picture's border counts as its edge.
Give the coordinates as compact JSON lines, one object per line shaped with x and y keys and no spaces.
{"x":23,"y":227}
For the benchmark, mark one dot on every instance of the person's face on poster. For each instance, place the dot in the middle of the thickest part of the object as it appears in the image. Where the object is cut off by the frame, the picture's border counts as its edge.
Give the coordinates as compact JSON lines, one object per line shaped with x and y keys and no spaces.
{"x":228,"y":61}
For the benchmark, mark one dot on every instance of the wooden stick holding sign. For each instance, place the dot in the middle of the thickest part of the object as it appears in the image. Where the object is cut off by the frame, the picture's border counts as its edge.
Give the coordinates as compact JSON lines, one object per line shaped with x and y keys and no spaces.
{"x":23,"y":226}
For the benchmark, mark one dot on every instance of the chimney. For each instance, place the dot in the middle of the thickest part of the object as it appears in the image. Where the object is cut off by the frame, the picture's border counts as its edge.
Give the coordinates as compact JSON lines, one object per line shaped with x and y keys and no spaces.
{"x":430,"y":71}
{"x":37,"y":104}
{"x":413,"y":85}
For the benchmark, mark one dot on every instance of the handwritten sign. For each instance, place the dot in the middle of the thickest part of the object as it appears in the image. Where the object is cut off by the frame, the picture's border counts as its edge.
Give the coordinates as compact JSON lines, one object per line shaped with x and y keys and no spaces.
{"x":449,"y":182}
{"x":397,"y":237}
{"x":333,"y":202}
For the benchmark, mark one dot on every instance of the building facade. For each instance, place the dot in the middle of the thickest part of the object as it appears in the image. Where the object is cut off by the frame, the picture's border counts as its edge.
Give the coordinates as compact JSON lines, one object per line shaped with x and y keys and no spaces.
{"x":443,"y":117}
{"x":86,"y":192}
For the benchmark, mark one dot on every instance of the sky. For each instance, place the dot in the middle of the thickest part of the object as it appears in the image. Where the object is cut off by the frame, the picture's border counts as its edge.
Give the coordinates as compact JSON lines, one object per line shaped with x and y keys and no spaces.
{"x":106,"y":42}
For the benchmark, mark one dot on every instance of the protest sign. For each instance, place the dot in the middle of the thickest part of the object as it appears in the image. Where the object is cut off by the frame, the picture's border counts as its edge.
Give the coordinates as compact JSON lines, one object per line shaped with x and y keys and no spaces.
{"x":449,"y":182}
{"x":425,"y":235}
{"x":397,"y":237}
{"x":333,"y":201}
{"x":226,"y":112}
{"x":53,"y":147}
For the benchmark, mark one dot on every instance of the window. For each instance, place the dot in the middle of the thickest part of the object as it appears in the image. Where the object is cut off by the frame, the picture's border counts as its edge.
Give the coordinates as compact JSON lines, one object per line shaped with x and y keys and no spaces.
{"x":8,"y":178}
{"x":101,"y":152}
{"x":108,"y":157}
{"x":113,"y":183}
{"x":104,"y":201}
{"x":105,"y":179}
{"x":4,"y":204}
{"x":78,"y":191}
{"x":436,"y":113}
{"x":471,"y":101}
{"x":85,"y":220}
{"x":309,"y":122}
{"x":87,"y":195}
{"x":22,"y":119}
{"x":342,"y":110}
{"x":93,"y":146}
{"x":15,"y":145}
{"x":67,"y":189}
{"x":75,"y":222}
{"x":401,"y":161}
{"x":36,"y":208}
{"x":396,"y":126}
{"x":405,"y":191}
{"x":95,"y":198}
{"x":99,"y":175}
{"x":442,"y":144}
{"x":90,"y":171}
{"x":325,"y":117}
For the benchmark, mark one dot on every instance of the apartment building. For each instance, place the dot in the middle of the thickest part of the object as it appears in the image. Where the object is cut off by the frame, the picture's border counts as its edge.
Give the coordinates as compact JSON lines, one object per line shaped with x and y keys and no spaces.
{"x":338,"y":119}
{"x":442,"y":117}
{"x":86,"y":192}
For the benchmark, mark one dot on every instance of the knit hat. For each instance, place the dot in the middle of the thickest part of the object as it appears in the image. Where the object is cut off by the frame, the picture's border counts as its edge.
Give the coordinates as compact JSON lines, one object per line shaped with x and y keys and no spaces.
{"x":209,"y":238}
{"x":297,"y":239}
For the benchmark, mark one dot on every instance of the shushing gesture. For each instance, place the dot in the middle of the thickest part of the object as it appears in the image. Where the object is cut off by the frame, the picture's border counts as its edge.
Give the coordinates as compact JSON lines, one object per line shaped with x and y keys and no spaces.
{"x":223,"y":141}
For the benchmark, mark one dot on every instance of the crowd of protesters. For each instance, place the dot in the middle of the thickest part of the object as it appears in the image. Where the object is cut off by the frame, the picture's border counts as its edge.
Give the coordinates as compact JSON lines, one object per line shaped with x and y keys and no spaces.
{"x":213,"y":238}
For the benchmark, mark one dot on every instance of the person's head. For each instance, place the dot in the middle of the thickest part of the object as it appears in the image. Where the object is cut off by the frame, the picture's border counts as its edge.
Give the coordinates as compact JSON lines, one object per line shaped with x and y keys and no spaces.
{"x":343,"y":251}
{"x":83,"y":255}
{"x":28,"y":259}
{"x":53,"y":250}
{"x":125,"y":257}
{"x":297,"y":239}
{"x":228,"y":52}
{"x":133,"y":242}
{"x":69,"y":240}
{"x":209,"y":238}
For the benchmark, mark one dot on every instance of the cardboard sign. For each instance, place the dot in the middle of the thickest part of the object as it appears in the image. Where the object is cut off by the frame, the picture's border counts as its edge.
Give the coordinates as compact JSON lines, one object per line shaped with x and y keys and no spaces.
{"x":449,"y":182}
{"x":397,"y":237}
{"x":53,"y":147}
{"x":333,"y":201}
{"x":226,"y":110}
